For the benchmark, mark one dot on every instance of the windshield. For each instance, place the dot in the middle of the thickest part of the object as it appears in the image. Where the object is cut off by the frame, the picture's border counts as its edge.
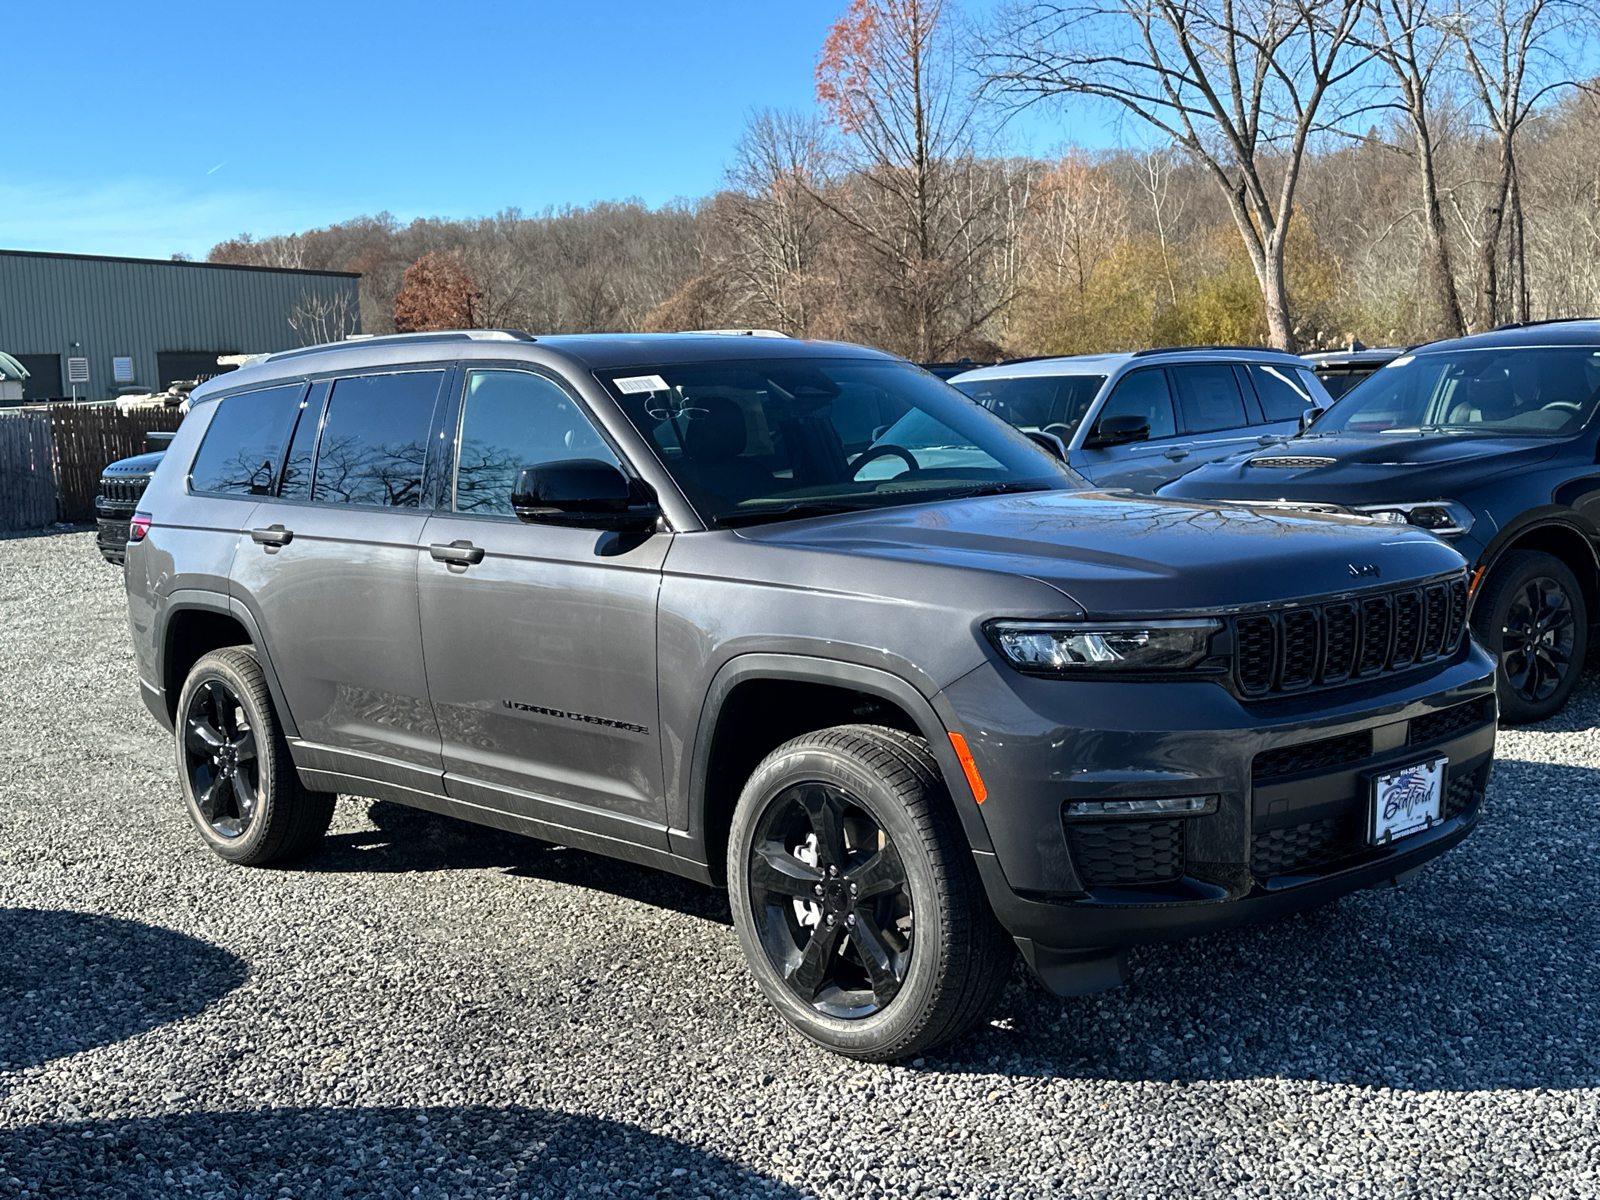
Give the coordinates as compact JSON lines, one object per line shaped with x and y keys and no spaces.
{"x":761,"y":440}
{"x":1052,"y":403}
{"x":1521,"y":390}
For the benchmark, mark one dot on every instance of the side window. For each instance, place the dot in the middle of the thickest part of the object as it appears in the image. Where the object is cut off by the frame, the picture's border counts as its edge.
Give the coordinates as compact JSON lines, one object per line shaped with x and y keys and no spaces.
{"x":1209,"y":395}
{"x":1282,"y":390}
{"x":511,"y":420}
{"x":243,"y":446}
{"x":1144,"y":393}
{"x":375,"y":440}
{"x":303,"y":446}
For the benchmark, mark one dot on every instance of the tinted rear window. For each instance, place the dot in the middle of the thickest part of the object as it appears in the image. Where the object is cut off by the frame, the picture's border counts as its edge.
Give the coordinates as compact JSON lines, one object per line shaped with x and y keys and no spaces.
{"x":1208,"y":393}
{"x":1283,"y":391}
{"x":374,"y":441}
{"x":243,"y":447}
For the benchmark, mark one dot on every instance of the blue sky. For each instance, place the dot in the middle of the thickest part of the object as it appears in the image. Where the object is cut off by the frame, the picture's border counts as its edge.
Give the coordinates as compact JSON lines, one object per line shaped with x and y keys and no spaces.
{"x":166,"y":126}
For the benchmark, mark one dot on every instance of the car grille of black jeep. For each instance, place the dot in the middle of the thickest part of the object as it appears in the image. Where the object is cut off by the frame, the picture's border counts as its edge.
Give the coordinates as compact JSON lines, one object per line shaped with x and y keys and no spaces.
{"x":1126,"y":852}
{"x":1448,"y":722}
{"x":1323,"y":645}
{"x":1311,"y":756}
{"x":121,"y":492}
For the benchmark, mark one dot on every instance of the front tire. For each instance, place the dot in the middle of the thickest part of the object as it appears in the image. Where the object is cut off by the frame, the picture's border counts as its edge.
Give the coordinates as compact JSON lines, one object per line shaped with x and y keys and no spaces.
{"x":1532,"y":617}
{"x":239,"y":783}
{"x":855,"y":897}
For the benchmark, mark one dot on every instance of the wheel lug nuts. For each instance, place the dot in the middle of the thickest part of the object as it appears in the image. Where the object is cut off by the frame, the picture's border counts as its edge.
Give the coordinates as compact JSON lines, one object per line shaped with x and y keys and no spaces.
{"x":833,"y":870}
{"x":832,"y":920}
{"x":851,"y":920}
{"x":852,"y":889}
{"x":818,"y":889}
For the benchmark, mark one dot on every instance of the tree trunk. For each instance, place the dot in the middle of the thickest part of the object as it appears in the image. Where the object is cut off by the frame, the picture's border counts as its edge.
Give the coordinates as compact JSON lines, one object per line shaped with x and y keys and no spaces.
{"x":1518,"y":255}
{"x":1487,"y":314}
{"x":1440,"y":278}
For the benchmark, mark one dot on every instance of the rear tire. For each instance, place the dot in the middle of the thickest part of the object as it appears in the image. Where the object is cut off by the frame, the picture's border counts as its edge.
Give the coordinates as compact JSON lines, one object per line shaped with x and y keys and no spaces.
{"x":239,"y":783}
{"x":855,"y":897}
{"x":1532,"y":617}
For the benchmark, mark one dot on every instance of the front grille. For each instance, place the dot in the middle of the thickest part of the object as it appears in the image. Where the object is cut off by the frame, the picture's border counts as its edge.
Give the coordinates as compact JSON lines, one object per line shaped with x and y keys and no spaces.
{"x":1321,"y":645}
{"x":122,"y":491}
{"x":1286,"y":851}
{"x":1447,"y":722}
{"x":1464,"y":791}
{"x":1126,"y":852}
{"x":1311,"y":756}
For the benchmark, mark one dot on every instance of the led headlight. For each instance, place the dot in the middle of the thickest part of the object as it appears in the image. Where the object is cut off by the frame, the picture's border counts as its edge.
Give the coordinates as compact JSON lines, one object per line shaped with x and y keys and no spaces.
{"x":1051,"y":647}
{"x":1447,"y":518}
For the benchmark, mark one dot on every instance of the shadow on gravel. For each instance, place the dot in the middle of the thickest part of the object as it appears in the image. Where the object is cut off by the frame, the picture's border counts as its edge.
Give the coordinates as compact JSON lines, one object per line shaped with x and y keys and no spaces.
{"x":412,"y":839}
{"x":366,"y":1152}
{"x":1483,"y":972}
{"x":71,"y":981}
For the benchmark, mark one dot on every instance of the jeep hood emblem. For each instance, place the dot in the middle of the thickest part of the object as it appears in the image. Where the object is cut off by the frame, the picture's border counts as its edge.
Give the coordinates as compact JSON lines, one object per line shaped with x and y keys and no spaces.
{"x":1366,"y":571}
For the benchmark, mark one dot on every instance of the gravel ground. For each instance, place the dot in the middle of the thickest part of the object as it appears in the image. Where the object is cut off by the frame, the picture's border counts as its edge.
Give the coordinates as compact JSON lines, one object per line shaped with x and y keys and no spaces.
{"x":426,"y":1009}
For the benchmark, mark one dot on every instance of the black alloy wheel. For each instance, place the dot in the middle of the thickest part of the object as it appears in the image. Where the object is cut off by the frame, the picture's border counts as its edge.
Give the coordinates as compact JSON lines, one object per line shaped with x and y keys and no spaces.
{"x":239,"y":780}
{"x":1531,"y":614}
{"x":830,"y":895}
{"x":219,"y":749}
{"x":856,"y":898}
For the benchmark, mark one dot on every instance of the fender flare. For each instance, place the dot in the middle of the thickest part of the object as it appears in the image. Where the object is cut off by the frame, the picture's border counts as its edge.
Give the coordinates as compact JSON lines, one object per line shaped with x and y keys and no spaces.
{"x":193,"y":599}
{"x":691,"y":842}
{"x":1535,"y":519}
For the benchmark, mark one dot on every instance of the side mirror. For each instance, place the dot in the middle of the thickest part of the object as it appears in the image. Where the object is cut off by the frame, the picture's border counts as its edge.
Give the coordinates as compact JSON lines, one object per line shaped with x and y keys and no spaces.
{"x":582,"y":493}
{"x":1118,"y":431}
{"x":1050,"y":442}
{"x":1310,"y":415}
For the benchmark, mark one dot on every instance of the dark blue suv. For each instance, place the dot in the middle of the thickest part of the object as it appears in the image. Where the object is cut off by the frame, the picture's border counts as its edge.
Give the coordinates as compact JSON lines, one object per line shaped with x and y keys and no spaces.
{"x":1493,"y":443}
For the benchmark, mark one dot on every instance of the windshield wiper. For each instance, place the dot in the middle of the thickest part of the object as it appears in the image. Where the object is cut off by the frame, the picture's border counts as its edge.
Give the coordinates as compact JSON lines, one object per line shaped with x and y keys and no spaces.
{"x":995,"y":489}
{"x":784,"y":512}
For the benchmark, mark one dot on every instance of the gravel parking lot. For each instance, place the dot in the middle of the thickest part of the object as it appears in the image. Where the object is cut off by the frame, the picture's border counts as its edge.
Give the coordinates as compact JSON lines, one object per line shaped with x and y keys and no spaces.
{"x":426,"y":1009}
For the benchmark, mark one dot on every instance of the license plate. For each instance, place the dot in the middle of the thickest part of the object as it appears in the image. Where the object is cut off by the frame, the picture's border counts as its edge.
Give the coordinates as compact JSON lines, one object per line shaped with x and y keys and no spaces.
{"x":1407,"y":800}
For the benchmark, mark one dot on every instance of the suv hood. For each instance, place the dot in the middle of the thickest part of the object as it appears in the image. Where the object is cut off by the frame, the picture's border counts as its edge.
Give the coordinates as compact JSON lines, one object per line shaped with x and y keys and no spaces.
{"x":1112,"y":554}
{"x":139,"y":464}
{"x":1366,"y":468}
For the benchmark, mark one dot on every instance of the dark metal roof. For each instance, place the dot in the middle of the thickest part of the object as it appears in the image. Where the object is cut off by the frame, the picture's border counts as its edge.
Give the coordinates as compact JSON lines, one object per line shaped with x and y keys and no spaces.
{"x":176,"y":262}
{"x":1577,"y":331}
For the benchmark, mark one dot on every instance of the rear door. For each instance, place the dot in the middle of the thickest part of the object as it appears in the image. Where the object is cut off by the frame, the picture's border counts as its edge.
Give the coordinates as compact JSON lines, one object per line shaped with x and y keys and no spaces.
{"x":330,"y":570}
{"x":1213,"y":412}
{"x":1142,"y":466}
{"x":540,"y":640}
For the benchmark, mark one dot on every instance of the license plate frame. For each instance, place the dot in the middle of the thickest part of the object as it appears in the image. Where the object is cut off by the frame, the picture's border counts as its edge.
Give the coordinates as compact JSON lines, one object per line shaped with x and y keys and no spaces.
{"x":1405,"y":800}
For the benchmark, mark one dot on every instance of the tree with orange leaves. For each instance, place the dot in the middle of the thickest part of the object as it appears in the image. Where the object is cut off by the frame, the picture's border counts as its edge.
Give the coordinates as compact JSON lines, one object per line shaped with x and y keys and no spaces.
{"x":437,"y":293}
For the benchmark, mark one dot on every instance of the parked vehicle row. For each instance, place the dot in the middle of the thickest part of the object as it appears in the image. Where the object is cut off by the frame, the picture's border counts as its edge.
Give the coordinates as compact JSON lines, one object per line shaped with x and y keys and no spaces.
{"x":798,"y":619}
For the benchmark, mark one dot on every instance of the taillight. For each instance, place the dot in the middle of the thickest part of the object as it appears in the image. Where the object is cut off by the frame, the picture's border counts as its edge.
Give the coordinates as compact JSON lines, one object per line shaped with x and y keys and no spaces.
{"x":138,"y":527}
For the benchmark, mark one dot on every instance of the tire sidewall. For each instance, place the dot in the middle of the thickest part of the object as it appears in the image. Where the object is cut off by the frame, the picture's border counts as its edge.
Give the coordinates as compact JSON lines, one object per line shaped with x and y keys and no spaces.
{"x":1489,"y":625}
{"x":907,"y":1011}
{"x":219,"y":668}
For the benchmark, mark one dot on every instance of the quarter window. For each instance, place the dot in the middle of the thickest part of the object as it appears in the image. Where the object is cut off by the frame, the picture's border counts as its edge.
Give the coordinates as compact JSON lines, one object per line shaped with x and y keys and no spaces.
{"x":511,"y":420}
{"x":243,"y":447}
{"x":1283,"y":391}
{"x":375,"y":440}
{"x":1209,"y":396}
{"x":1144,"y":394}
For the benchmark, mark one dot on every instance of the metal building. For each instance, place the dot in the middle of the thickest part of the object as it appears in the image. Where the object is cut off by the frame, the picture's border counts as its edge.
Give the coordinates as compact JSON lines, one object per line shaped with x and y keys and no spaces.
{"x":94,"y":327}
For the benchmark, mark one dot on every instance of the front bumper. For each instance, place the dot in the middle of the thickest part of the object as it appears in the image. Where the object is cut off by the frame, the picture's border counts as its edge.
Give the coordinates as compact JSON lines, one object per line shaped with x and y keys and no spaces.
{"x":1290,"y":779}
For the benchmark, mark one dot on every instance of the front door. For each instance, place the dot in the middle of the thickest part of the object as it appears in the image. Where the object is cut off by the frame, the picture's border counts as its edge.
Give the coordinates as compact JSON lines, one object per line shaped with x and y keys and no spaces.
{"x":331,"y":571}
{"x":540,"y":640}
{"x":1143,"y":466}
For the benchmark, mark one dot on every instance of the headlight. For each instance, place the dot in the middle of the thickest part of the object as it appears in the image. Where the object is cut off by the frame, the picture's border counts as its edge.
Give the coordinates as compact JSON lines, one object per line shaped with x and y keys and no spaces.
{"x":1084,"y":647}
{"x":1447,"y":518}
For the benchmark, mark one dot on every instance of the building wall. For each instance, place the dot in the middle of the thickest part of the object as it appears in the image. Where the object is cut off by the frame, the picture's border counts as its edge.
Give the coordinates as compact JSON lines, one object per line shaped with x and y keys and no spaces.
{"x":82,"y":306}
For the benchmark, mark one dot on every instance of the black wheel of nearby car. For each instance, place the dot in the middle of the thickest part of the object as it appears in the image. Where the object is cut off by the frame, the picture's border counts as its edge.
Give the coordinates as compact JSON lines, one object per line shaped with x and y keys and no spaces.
{"x":1533,"y":618}
{"x":855,"y":898}
{"x":239,"y":783}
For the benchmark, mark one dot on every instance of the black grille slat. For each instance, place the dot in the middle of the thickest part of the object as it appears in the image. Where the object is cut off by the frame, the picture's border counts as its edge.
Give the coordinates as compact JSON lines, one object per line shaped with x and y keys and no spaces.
{"x":1458,"y":615}
{"x":1407,"y":629}
{"x":1127,"y":852}
{"x":1377,"y":626}
{"x":1448,"y":722}
{"x":1436,"y":620}
{"x":1464,"y":792}
{"x":1300,"y":650}
{"x":1256,"y":652}
{"x":1311,"y":756}
{"x":1339,"y":653}
{"x":1285,"y":851}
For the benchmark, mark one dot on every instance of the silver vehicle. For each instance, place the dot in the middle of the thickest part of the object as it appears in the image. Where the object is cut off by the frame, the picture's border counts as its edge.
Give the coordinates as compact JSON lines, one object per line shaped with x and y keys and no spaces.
{"x":1140,"y":420}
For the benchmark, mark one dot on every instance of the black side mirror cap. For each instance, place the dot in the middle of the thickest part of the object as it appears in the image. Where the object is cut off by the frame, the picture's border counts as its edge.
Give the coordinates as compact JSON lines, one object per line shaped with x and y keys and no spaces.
{"x":582,"y":493}
{"x":1310,"y":415}
{"x":1050,"y":442}
{"x":1118,"y":431}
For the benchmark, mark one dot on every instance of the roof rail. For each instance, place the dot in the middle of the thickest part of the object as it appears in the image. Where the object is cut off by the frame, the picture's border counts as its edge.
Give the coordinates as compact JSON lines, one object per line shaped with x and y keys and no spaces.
{"x":1544,"y":321}
{"x":1190,"y":349}
{"x":740,"y":332}
{"x":401,"y":339}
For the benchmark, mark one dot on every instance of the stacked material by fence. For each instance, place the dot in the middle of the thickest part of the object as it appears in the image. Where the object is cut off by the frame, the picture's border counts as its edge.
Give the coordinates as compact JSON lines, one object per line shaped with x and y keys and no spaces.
{"x":89,"y":437}
{"x":27,"y":481}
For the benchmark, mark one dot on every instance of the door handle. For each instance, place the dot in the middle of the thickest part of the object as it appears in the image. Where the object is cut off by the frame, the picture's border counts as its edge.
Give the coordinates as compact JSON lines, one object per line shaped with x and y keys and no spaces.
{"x":272,"y":537}
{"x":457,"y":553}
{"x":1175,"y":454}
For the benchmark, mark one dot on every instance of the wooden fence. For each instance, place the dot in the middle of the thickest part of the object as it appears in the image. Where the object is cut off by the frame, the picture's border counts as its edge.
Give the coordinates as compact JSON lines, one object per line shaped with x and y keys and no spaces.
{"x":59,"y":451}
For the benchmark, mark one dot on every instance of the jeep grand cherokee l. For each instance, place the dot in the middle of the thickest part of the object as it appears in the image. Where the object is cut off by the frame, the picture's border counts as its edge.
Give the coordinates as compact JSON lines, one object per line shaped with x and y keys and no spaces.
{"x":799,"y":619}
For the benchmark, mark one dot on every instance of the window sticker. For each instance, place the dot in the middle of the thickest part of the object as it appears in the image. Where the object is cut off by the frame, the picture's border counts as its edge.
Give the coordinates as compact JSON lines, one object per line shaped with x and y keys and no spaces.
{"x":635,"y":384}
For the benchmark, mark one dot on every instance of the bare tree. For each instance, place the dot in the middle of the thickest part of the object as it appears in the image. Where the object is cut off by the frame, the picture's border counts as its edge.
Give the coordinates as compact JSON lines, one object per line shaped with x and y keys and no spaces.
{"x":1240,"y":85}
{"x":319,"y":319}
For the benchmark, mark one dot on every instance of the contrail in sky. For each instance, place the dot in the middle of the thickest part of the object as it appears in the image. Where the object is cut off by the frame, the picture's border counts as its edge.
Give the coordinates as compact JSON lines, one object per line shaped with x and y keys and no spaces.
{"x":218,"y":167}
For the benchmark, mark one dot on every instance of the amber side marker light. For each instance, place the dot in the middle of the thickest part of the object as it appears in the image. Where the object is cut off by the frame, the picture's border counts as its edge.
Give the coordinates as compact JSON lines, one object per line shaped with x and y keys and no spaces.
{"x":1477,"y":578}
{"x":970,"y":768}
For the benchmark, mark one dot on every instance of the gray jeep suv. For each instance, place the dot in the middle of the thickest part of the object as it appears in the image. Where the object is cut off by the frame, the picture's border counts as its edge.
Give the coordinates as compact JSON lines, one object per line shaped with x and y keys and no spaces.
{"x":798,"y":619}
